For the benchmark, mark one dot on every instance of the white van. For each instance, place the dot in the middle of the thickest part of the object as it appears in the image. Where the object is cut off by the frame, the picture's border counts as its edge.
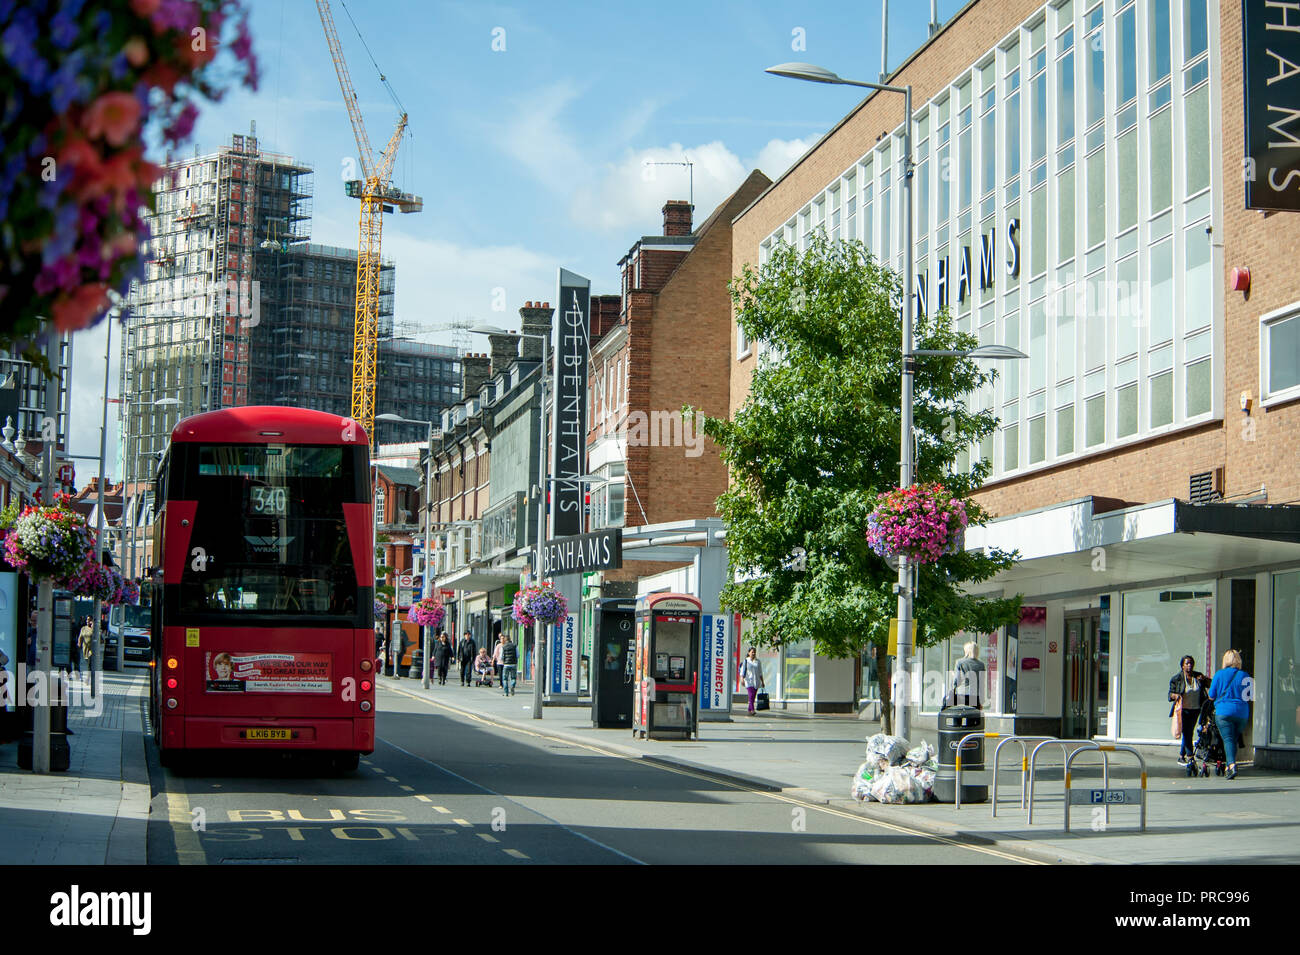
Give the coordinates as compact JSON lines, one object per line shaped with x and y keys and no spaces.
{"x":130,"y":625}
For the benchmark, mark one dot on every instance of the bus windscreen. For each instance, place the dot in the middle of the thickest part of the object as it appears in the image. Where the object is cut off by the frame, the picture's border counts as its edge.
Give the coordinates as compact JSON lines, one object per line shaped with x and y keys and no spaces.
{"x":269,"y":538}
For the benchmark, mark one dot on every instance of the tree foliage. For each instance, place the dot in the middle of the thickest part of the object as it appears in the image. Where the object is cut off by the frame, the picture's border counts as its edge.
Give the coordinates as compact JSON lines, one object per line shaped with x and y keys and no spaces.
{"x":818,"y":439}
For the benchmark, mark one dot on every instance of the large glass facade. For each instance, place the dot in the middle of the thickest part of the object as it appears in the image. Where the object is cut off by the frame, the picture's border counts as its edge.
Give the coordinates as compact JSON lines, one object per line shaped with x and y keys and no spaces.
{"x":1159,"y":627}
{"x":1284,"y":718}
{"x":1082,"y":177}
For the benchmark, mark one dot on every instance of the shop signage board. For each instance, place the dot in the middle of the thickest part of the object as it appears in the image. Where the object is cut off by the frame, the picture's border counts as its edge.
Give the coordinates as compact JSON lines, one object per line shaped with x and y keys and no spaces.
{"x":715,"y":656}
{"x":569,"y":406}
{"x":1271,"y":58}
{"x":583,"y":553}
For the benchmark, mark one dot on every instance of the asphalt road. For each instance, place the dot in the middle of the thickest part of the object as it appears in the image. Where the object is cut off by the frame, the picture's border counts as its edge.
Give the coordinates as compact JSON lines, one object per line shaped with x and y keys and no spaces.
{"x":443,"y":788}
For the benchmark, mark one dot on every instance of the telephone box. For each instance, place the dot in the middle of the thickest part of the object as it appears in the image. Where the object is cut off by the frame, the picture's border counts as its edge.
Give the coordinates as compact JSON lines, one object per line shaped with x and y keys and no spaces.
{"x":614,"y":621}
{"x":666,"y":678}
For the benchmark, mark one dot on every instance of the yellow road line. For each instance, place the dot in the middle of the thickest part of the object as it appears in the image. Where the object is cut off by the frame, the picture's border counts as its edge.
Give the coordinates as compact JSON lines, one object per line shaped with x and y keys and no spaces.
{"x":462,"y":822}
{"x":188,"y":849}
{"x":920,"y":833}
{"x":486,"y":838}
{"x":443,"y":809}
{"x":423,"y":798}
{"x":409,"y":789}
{"x":391,"y":779}
{"x":514,"y":852}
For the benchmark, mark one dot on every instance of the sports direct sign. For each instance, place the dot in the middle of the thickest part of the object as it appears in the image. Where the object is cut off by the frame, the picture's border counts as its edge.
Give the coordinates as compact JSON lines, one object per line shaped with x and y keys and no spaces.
{"x":564,"y":656}
{"x":714,"y":650}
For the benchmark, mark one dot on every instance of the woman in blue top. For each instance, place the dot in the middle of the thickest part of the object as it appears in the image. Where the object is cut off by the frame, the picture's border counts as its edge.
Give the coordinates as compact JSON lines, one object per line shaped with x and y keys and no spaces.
{"x":1229,"y":690}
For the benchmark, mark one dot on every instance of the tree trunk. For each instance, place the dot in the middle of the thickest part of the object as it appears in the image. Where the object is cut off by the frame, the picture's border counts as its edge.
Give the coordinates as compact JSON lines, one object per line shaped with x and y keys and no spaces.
{"x":886,"y":703}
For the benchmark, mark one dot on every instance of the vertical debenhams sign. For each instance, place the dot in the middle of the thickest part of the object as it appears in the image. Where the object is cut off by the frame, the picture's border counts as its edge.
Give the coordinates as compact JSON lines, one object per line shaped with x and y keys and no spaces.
{"x":569,"y":408}
{"x":1271,"y":40}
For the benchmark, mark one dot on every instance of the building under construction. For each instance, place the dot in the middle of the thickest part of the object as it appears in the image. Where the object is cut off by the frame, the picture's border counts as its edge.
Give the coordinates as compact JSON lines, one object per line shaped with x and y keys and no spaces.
{"x":238,"y":307}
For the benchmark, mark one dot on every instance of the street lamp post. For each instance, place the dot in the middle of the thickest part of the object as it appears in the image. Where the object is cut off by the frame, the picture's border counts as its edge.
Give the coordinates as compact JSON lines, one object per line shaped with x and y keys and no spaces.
{"x":539,"y":638}
{"x":817,"y":74}
{"x":427,"y":497}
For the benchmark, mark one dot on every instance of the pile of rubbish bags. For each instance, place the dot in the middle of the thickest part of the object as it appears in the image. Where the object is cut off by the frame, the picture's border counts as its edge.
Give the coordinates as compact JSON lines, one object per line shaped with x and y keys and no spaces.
{"x":893,"y":773}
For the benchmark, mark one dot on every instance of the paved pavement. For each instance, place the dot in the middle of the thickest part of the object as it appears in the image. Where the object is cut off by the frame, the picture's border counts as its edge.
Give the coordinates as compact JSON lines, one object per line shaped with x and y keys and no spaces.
{"x":96,"y":812}
{"x":1253,"y":819}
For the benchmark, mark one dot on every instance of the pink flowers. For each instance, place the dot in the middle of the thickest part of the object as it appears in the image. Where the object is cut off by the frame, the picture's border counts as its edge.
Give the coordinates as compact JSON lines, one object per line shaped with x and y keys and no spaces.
{"x":922,"y":522}
{"x":114,"y":117}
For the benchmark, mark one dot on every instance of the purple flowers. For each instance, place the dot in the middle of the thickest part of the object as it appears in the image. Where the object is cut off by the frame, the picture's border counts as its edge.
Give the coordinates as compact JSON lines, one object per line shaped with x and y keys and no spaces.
{"x":543,"y":603}
{"x":921,"y":522}
{"x":427,"y":612}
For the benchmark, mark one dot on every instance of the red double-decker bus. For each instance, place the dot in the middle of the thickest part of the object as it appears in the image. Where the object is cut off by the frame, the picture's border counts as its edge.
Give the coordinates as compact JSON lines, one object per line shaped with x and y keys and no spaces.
{"x":263,"y":634}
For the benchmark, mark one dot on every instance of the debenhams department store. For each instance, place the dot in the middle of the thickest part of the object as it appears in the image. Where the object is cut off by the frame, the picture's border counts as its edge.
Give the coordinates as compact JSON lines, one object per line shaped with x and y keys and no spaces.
{"x":1081,"y":193}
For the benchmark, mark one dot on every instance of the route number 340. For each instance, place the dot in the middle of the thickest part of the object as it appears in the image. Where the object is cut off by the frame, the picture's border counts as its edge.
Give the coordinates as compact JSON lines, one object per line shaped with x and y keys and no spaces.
{"x":268,"y":500}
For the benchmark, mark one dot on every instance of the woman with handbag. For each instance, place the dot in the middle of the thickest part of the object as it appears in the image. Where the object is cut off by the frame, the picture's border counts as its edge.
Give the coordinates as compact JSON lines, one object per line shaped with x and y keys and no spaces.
{"x":1186,"y":691}
{"x":751,"y":672}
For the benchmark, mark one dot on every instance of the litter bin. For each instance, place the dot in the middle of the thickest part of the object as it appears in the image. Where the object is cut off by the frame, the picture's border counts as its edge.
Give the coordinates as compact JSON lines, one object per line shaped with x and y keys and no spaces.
{"x":954,"y":723}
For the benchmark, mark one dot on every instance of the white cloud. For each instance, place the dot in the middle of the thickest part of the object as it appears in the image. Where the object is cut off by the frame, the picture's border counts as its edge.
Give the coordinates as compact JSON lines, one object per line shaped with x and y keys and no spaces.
{"x":631,"y":192}
{"x":535,"y":137}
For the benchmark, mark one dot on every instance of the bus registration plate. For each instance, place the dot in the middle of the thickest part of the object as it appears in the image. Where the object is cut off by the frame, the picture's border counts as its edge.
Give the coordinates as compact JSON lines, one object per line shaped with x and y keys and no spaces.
{"x":262,"y":733}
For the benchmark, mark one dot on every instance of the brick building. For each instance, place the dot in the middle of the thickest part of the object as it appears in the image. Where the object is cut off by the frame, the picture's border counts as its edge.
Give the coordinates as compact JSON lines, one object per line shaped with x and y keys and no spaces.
{"x":1084,"y":157}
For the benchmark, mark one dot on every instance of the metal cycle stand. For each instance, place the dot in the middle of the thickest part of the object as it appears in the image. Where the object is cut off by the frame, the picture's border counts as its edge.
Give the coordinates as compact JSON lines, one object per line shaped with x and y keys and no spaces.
{"x":1033,"y":768}
{"x":1024,"y":765}
{"x":961,"y":744}
{"x":1127,"y":794}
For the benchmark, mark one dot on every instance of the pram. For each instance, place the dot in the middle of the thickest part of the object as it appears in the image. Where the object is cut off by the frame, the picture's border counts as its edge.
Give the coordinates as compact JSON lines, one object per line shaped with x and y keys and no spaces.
{"x":1209,"y":745}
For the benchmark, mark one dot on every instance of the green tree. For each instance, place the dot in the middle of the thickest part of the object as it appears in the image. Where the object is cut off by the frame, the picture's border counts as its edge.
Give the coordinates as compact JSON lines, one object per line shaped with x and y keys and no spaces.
{"x":818,"y":439}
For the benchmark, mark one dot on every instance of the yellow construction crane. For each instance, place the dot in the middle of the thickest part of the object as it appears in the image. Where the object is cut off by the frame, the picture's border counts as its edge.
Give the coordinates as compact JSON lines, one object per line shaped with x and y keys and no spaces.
{"x":377,"y":196}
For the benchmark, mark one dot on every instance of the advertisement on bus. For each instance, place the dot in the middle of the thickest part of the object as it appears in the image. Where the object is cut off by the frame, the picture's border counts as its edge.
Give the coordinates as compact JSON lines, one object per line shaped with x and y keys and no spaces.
{"x":231,"y":671}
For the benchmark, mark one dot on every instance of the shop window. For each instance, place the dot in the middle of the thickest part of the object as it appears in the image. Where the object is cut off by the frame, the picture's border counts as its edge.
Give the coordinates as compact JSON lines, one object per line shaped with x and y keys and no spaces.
{"x":1280,"y":344}
{"x":797,"y":670}
{"x":1284,"y":715}
{"x":1159,"y":627}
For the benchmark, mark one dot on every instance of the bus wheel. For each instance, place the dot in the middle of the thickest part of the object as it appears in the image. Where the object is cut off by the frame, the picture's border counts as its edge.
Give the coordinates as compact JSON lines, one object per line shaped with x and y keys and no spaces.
{"x":345,"y":763}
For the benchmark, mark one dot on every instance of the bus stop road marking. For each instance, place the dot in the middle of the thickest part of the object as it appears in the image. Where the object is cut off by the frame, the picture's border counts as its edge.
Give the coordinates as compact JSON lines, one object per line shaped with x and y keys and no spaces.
{"x":487,"y":838}
{"x":441,"y":809}
{"x":391,"y":779}
{"x":189,"y":851}
{"x":514,"y":852}
{"x":919,"y":833}
{"x":462,"y":822}
{"x":423,"y":798}
{"x":409,"y":789}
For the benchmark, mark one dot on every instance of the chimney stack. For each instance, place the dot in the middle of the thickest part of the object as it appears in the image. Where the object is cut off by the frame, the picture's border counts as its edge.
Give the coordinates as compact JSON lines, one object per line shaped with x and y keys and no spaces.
{"x":504,"y":349}
{"x":474,"y":371}
{"x":534,"y":319}
{"x":677,"y":217}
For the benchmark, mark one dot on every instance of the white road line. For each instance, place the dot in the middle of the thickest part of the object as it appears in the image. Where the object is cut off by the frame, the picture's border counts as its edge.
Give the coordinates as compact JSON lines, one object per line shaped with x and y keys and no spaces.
{"x":423,"y":798}
{"x":462,"y":822}
{"x":391,"y":779}
{"x":409,"y":789}
{"x":514,"y":852}
{"x":443,"y":809}
{"x":919,"y":833}
{"x":486,"y":838}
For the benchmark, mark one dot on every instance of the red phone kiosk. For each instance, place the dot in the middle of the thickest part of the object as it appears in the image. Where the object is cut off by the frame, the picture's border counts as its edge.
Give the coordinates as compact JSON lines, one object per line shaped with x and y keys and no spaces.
{"x":667,"y":648}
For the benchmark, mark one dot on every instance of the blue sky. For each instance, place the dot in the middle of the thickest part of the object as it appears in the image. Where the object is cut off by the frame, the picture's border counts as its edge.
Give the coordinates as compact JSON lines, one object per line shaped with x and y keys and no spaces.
{"x":533,"y":157}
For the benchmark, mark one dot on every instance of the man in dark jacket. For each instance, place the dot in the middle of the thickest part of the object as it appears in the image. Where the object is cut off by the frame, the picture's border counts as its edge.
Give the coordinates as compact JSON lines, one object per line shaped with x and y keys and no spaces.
{"x":509,"y":663}
{"x":466,"y":651}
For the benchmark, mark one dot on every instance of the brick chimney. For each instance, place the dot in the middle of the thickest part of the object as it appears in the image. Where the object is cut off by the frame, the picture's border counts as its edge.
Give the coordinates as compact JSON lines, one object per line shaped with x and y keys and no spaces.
{"x":677,"y":217}
{"x":605,"y":311}
{"x":474,"y":371}
{"x":505,"y":349}
{"x":534,"y":319}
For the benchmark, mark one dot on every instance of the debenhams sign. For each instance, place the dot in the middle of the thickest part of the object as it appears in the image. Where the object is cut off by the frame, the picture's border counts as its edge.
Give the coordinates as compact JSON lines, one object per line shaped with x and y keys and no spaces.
{"x":1271,"y":40}
{"x":583,"y":553}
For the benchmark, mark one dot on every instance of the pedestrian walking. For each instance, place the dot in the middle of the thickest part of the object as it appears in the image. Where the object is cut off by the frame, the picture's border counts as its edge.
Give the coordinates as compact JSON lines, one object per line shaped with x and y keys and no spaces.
{"x":84,"y":641}
{"x":1187,"y":692}
{"x":509,"y":664}
{"x":442,"y":657}
{"x":401,"y":644}
{"x":751,"y":672}
{"x":967,"y":686}
{"x":466,"y":651}
{"x":1229,"y":690}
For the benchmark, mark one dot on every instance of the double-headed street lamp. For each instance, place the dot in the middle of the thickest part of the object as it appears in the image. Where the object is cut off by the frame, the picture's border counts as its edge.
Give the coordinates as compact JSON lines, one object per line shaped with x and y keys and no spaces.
{"x":426,"y":581}
{"x":818,"y":74}
{"x":539,"y":639}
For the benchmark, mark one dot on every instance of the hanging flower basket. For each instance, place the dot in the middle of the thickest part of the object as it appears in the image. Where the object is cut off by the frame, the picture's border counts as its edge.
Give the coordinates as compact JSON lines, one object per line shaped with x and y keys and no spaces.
{"x":51,"y":543}
{"x":103,"y":583}
{"x":922,"y":522}
{"x":544,"y":604}
{"x":83,"y":82}
{"x":427,"y":612}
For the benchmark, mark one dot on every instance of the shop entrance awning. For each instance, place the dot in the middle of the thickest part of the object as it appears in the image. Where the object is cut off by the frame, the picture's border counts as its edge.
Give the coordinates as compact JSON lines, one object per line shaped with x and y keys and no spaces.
{"x":475,"y":579}
{"x":1070,"y":548}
